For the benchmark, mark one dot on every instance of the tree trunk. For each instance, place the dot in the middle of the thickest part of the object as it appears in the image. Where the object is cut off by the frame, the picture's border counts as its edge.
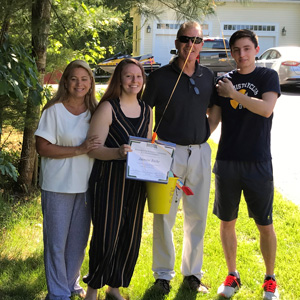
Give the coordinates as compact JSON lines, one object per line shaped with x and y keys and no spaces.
{"x":1,"y":119}
{"x":3,"y":32}
{"x":26,"y":166}
{"x":40,"y":26}
{"x":5,"y":26}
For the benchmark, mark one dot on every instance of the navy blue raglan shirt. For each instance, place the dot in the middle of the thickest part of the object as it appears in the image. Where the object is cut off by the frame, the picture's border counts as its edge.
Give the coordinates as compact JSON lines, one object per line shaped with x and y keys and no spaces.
{"x":246,"y":136}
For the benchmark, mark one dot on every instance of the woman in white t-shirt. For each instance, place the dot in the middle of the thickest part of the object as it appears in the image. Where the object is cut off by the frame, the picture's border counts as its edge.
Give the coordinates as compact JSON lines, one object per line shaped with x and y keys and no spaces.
{"x":65,"y":169}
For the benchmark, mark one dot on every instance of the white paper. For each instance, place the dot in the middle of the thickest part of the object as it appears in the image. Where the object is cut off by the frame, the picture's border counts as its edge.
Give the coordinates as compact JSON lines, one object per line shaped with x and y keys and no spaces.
{"x":149,"y":162}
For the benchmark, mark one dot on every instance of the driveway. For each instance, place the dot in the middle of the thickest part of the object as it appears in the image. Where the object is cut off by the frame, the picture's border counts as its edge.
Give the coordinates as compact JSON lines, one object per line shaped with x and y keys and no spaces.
{"x":284,"y":144}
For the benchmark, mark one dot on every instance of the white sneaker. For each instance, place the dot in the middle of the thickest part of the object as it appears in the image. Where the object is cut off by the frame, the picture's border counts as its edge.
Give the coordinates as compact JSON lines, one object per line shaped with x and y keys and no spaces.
{"x":270,"y":289}
{"x":229,"y":286}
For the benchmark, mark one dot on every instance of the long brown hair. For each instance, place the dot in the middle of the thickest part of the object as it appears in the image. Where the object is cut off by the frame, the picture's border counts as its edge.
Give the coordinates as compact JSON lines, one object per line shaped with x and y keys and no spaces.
{"x":114,"y":87}
{"x":62,"y":93}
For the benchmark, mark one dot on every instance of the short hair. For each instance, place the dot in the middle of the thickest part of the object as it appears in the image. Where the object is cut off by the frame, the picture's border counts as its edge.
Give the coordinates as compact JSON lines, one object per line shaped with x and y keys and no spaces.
{"x":114,"y":87}
{"x":189,"y":24}
{"x":243,"y":33}
{"x":62,"y":93}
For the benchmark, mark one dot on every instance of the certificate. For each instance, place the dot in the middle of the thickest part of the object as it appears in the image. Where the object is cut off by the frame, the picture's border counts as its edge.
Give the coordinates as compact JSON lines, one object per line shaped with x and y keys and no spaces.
{"x":149,"y":161}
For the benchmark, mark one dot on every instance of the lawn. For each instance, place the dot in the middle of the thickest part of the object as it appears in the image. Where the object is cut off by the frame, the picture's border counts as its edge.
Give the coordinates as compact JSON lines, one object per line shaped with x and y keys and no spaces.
{"x":21,"y":254}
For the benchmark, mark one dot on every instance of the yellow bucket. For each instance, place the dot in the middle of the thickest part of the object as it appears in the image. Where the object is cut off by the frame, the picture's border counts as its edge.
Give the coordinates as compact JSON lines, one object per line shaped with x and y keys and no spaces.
{"x":160,"y":195}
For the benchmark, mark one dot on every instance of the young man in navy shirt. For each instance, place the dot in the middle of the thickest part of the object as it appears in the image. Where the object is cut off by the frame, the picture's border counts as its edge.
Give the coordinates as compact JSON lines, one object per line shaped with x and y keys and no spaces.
{"x":247,"y":97}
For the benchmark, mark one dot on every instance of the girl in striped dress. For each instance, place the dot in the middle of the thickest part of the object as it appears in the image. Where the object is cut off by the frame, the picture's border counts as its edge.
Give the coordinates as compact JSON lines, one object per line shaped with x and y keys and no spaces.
{"x":117,"y":203}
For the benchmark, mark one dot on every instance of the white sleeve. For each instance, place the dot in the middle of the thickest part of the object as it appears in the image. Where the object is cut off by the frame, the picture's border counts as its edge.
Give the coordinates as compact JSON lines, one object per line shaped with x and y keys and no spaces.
{"x":47,"y":128}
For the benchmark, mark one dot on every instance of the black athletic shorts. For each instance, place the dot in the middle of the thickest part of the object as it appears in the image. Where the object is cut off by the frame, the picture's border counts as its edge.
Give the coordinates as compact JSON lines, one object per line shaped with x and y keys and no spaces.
{"x":255,"y":179}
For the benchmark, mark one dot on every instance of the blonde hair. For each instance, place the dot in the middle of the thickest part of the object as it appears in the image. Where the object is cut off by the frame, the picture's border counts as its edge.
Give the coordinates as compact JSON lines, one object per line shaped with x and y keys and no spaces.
{"x":62,"y":93}
{"x":189,"y":24}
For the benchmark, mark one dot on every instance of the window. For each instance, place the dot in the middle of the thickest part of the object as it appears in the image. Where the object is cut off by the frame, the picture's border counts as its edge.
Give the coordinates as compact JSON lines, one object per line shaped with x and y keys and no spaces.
{"x":254,"y":27}
{"x":176,"y":26}
{"x":167,"y":26}
{"x":274,"y":54}
{"x":265,"y":55}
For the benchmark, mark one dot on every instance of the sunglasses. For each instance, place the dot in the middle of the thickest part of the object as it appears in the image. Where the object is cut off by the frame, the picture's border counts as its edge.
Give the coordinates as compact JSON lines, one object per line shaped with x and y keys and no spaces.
{"x":196,"y":90}
{"x":194,"y":39}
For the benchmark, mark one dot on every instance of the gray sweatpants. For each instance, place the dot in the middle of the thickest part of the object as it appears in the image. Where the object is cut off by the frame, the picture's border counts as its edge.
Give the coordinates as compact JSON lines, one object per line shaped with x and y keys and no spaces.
{"x":66,"y":228}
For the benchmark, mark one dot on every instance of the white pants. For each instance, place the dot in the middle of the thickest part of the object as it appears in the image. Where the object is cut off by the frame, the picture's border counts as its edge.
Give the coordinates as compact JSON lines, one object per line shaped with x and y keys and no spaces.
{"x":192,"y":164}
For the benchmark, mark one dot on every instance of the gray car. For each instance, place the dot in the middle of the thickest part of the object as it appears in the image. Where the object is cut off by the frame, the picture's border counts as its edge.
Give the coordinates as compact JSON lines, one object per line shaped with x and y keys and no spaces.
{"x":285,"y":61}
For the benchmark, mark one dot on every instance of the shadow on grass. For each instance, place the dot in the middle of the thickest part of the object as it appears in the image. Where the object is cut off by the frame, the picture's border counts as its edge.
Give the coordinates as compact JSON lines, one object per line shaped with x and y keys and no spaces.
{"x":185,"y":293}
{"x":153,"y":294}
{"x":22,"y":279}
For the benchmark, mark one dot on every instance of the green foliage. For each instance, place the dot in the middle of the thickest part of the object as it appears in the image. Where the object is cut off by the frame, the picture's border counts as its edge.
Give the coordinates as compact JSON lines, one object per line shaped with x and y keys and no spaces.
{"x":18,"y":73}
{"x":19,"y":80}
{"x":184,"y":9}
{"x":18,"y":14}
{"x":7,"y":167}
{"x":86,"y":30}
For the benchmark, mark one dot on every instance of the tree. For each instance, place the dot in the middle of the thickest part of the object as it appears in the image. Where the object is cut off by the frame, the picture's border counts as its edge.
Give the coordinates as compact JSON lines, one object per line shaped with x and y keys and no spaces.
{"x":40,"y":30}
{"x":18,"y":79}
{"x":90,"y":32}
{"x":184,"y":9}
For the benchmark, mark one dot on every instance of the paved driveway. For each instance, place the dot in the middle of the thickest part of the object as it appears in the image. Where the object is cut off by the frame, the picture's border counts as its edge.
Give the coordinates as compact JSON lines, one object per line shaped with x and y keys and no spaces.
{"x":285,"y":144}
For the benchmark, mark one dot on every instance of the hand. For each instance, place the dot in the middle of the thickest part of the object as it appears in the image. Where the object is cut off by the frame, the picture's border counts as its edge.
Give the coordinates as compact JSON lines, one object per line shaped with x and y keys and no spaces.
{"x":123,"y":150}
{"x":91,"y":143}
{"x":225,"y":88}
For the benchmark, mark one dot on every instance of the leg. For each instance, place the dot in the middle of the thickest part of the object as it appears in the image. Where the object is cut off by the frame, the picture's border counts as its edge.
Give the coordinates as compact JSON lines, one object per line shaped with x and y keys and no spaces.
{"x":226,"y":206}
{"x":57,"y":209}
{"x":229,"y":243}
{"x":91,"y":294}
{"x":195,"y":209}
{"x":129,"y":234}
{"x":268,"y":245}
{"x":107,"y":219}
{"x":77,"y":241}
{"x":163,"y":246}
{"x":115,"y":292}
{"x":259,"y":193}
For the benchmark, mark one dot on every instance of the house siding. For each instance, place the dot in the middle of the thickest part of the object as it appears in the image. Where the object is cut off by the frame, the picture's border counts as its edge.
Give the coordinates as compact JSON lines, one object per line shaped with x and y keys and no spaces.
{"x":276,"y":13}
{"x":282,"y":14}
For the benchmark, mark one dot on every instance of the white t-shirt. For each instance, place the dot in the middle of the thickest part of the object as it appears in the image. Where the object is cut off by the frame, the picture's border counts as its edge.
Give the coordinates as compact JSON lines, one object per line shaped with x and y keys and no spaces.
{"x":60,"y":127}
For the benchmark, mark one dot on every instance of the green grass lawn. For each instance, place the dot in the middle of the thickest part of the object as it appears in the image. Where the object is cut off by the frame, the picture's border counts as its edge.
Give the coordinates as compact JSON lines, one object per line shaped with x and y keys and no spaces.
{"x":21,"y":254}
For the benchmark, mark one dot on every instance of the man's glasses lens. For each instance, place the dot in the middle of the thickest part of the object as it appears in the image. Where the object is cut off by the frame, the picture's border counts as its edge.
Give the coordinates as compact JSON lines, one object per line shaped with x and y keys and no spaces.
{"x":193,"y":83}
{"x":185,"y":39}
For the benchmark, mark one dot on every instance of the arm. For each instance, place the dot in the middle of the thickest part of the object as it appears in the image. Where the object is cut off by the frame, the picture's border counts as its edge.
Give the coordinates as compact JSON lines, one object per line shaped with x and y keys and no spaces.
{"x":149,"y":94}
{"x":99,"y":126}
{"x":46,"y":149}
{"x":214,"y":117}
{"x":263,"y":107}
{"x":149,"y":135}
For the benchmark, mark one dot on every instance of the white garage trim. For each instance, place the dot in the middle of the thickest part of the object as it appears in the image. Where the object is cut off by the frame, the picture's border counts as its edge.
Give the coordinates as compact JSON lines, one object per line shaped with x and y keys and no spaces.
{"x":164,"y":35}
{"x":268,"y":33}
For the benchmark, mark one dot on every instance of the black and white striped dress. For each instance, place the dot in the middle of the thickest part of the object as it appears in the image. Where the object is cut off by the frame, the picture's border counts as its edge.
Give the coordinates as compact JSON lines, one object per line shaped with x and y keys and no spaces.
{"x":117,"y":207}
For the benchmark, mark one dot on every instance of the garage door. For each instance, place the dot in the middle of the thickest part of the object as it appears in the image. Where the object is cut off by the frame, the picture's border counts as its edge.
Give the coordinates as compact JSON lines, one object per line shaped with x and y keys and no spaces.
{"x":162,"y":47}
{"x":265,"y":42}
